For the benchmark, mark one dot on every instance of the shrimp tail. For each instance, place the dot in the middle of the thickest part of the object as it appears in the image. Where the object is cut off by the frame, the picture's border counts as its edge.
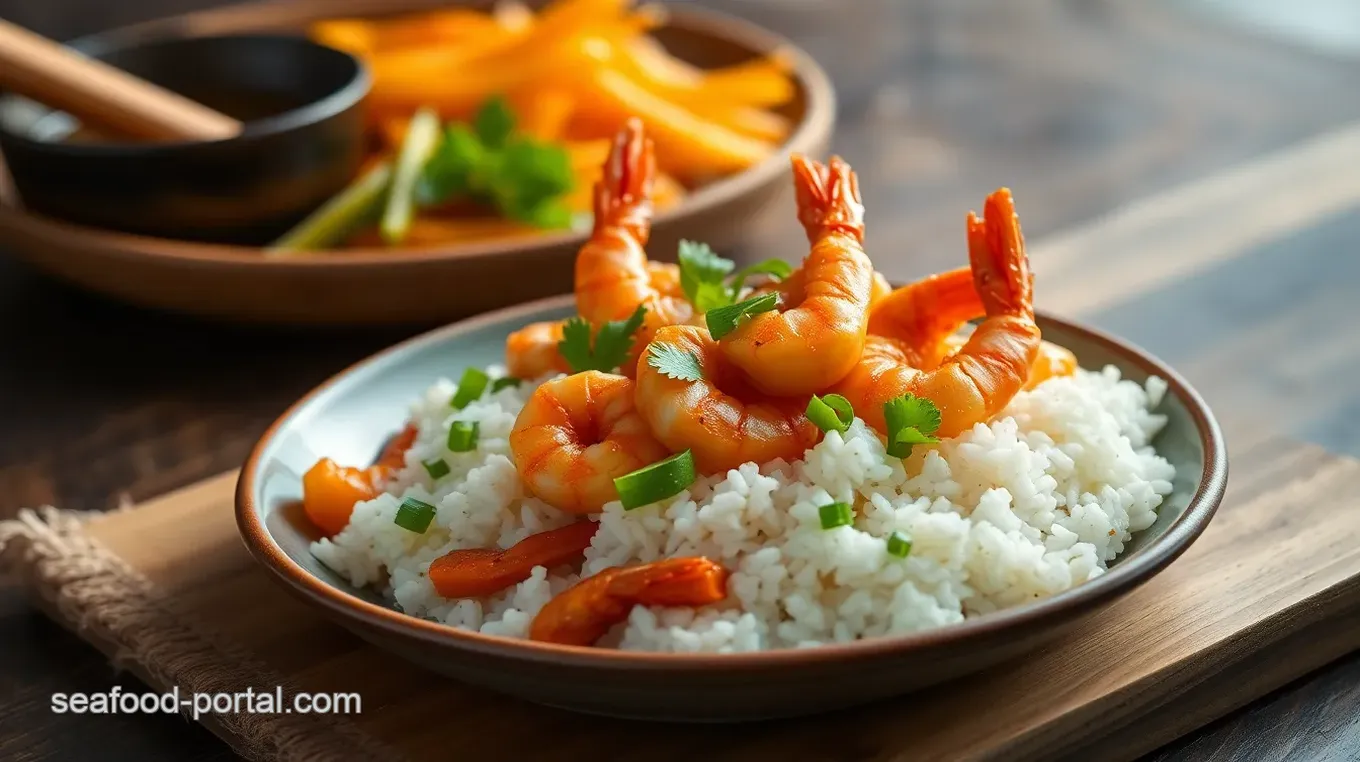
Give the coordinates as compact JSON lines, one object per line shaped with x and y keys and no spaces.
{"x":996,"y":251}
{"x":623,"y":194}
{"x":828,"y":198}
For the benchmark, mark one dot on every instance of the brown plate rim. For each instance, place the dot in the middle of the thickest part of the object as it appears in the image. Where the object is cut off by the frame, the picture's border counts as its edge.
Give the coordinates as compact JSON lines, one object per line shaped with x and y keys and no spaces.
{"x":818,"y":122}
{"x":1129,"y":573}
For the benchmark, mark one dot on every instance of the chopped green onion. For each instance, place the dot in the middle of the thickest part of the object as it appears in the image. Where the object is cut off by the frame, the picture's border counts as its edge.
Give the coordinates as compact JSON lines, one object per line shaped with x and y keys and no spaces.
{"x":422,"y":137}
{"x":504,"y":383}
{"x":836,"y":515}
{"x":724,"y":320}
{"x":414,"y":515}
{"x":337,"y":218}
{"x":899,"y":545}
{"x":437,"y":468}
{"x":470,"y":388}
{"x":463,"y":436}
{"x":831,"y":413}
{"x":650,"y":484}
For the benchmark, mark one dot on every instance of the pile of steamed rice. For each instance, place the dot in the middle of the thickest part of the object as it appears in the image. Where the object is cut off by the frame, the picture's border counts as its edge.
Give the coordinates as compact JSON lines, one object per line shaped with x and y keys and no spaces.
{"x":1036,"y":502}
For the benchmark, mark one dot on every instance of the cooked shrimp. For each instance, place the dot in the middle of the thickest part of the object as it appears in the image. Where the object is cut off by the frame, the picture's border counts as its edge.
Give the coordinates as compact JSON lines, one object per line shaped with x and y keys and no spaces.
{"x":922,"y":316}
{"x":994,"y":363}
{"x":576,"y":435}
{"x":613,"y":276}
{"x":721,"y":419}
{"x":532,"y":351}
{"x":583,"y":613}
{"x":1051,"y":361}
{"x":813,"y":340}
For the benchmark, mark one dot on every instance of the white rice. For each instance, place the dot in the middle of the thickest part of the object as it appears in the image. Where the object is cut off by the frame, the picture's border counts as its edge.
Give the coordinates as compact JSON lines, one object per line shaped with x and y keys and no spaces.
{"x":1038,"y":501}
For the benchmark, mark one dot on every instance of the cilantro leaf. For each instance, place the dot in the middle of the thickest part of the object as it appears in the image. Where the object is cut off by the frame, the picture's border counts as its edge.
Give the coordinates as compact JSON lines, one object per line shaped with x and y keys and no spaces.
{"x":675,"y":363}
{"x":911,"y":420}
{"x":724,"y":320}
{"x":777,"y":269}
{"x":699,"y":267}
{"x":575,"y":345}
{"x":611,"y":345}
{"x":488,"y":163}
{"x":494,"y":122}
{"x":449,"y":172}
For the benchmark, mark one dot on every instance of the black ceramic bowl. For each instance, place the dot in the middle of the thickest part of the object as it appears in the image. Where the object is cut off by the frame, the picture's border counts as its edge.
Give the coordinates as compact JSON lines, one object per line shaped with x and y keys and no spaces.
{"x":302,"y":142}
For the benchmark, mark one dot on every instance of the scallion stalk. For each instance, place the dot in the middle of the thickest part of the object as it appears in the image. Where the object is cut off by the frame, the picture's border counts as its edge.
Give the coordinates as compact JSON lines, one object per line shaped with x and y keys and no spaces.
{"x":414,"y":515}
{"x":422,"y":136}
{"x":654,"y":483}
{"x":836,"y":515}
{"x":358,"y":203}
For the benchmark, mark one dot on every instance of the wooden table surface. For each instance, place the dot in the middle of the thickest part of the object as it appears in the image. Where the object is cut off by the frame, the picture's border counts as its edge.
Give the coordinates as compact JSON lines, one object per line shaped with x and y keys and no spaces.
{"x":1195,"y":181}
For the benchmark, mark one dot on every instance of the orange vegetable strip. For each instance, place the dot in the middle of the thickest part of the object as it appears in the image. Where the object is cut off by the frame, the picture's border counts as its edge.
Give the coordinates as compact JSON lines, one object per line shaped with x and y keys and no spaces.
{"x":329,"y":492}
{"x":479,"y":572}
{"x":544,"y":112}
{"x":432,"y":231}
{"x":687,"y":145}
{"x":393,"y":457}
{"x":350,"y":35}
{"x":583,"y":613}
{"x":759,"y":82}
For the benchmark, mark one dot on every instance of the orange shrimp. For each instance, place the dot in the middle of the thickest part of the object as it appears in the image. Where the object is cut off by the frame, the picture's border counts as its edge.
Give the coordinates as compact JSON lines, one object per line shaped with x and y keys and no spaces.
{"x":532,"y":351}
{"x":994,"y":363}
{"x":613,"y":276}
{"x":330,"y":490}
{"x":815,"y":338}
{"x":1051,"y":361}
{"x":924,"y":317}
{"x":721,"y":419}
{"x":575,"y":435}
{"x":584,"y":612}
{"x":479,"y":572}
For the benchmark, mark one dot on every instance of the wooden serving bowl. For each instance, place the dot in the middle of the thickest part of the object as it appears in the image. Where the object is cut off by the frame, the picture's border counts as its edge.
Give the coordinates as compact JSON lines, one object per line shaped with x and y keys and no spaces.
{"x":414,"y":285}
{"x":349,"y":416}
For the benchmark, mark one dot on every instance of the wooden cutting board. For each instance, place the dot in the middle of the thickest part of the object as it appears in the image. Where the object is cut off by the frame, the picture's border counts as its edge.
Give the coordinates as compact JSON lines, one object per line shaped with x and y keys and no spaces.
{"x":1270,"y":592}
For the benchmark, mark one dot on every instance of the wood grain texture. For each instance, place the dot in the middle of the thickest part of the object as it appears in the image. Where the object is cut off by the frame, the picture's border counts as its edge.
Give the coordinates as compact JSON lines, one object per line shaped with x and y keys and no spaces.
{"x":1081,"y":107}
{"x":1281,"y":560}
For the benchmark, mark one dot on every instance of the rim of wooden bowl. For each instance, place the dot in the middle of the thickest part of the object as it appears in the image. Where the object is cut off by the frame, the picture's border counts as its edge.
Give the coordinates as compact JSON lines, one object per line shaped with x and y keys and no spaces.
{"x":815,"y":126}
{"x":1130,"y":572}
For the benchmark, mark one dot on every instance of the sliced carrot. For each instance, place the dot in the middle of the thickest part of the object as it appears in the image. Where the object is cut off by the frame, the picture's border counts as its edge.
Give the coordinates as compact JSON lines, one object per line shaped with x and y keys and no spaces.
{"x":544,"y":112}
{"x":329,"y":492}
{"x":350,"y":35}
{"x":393,"y":457}
{"x":687,"y":145}
{"x":479,"y":572}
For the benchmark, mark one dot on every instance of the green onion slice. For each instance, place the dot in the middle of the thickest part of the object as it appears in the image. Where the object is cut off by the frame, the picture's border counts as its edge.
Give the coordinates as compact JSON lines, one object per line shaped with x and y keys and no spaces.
{"x":836,"y":515}
{"x":724,"y":320}
{"x":463,"y":436}
{"x":663,"y":479}
{"x":470,"y":388}
{"x":422,"y":137}
{"x":414,"y":515}
{"x":437,"y":468}
{"x":504,"y":382}
{"x":831,"y":413}
{"x":899,"y":545}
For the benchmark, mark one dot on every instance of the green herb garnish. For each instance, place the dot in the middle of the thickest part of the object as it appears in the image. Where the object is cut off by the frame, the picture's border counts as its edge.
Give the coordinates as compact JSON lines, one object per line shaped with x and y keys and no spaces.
{"x":437,"y":468}
{"x":724,"y":320}
{"x":675,"y":363}
{"x":831,"y":413}
{"x":463,"y":436}
{"x":488,"y":162}
{"x":899,"y":545}
{"x":505,"y":382}
{"x":703,"y":275}
{"x":470,"y":388}
{"x":611,"y":345}
{"x":836,"y":515}
{"x":414,"y":515}
{"x":654,"y":483}
{"x":911,"y":420}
